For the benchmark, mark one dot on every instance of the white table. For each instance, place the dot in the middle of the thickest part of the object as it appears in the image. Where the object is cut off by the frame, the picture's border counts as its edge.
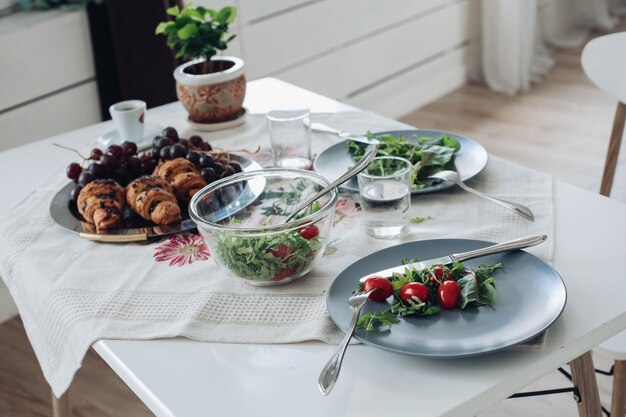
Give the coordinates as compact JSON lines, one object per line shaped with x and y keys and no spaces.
{"x":183,"y":378}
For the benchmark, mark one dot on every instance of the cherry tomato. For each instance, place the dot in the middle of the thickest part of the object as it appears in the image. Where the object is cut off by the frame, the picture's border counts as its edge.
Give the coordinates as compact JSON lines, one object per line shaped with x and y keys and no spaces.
{"x":382,"y":286}
{"x":439,"y":274}
{"x":309,"y":232}
{"x":413,"y":289}
{"x":449,"y":294}
{"x":282,"y":251}
{"x":284,"y":273}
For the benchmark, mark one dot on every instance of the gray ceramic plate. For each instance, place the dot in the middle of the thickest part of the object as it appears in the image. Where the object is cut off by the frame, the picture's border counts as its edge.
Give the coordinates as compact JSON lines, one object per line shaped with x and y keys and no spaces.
{"x":469,"y":161}
{"x":530,"y":297}
{"x":133,"y":228}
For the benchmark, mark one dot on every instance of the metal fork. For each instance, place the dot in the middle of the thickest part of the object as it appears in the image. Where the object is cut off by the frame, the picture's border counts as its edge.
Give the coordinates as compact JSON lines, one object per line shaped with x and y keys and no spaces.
{"x":330,"y":372}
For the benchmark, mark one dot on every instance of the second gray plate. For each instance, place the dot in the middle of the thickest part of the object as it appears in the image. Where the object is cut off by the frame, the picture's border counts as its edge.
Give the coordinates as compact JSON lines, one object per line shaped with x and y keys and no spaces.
{"x":469,"y":161}
{"x":530,"y":297}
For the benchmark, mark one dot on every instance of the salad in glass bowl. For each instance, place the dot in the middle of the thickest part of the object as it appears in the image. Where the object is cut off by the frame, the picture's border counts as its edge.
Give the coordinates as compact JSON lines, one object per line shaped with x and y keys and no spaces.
{"x":242,"y":220}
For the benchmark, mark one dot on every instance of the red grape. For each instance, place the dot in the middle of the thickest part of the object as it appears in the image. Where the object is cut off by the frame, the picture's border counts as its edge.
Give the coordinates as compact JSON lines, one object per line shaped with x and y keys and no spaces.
{"x":236,"y":167}
{"x":129,"y":148}
{"x":196,"y":140}
{"x":116,"y":151}
{"x":73,"y":171}
{"x":108,"y":161}
{"x":95,"y":154}
{"x":209,"y":175}
{"x":75,"y":191}
{"x":163,"y":142}
{"x":228,"y":171}
{"x":96,"y":169}
{"x":218,"y":167}
{"x":170,"y":132}
{"x":177,"y":151}
{"x":135,"y":166}
{"x":85,"y":178}
{"x":165,"y":152}
{"x":205,"y":146}
{"x":206,"y":161}
{"x":194,"y":157}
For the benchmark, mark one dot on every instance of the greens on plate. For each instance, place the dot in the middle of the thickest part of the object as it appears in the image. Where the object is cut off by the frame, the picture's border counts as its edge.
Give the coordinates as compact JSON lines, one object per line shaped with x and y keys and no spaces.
{"x":427,"y":155}
{"x":426,"y":292}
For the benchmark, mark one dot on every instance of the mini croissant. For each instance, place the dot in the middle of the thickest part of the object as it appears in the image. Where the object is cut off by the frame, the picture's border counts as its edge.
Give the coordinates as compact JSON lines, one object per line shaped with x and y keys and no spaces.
{"x":152,"y":198}
{"x":101,"y":202}
{"x":182,"y":175}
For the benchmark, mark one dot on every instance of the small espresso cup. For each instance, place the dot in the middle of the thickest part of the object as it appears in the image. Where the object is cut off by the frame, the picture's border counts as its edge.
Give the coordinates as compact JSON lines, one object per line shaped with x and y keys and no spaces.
{"x":128,"y":119}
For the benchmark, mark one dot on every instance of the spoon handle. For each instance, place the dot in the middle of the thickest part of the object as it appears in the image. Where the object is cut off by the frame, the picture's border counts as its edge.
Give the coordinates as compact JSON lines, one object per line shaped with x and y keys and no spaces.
{"x":518,"y":208}
{"x":358,"y":167}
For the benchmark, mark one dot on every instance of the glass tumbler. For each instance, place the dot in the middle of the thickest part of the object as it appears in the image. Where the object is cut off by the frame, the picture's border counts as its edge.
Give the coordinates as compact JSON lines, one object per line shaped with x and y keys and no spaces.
{"x":290,"y":136}
{"x":385,"y":189}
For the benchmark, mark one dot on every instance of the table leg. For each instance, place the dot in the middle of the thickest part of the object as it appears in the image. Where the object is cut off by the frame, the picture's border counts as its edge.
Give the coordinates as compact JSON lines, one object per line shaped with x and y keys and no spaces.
{"x":60,"y":406}
{"x":618,"y":402}
{"x":584,"y":378}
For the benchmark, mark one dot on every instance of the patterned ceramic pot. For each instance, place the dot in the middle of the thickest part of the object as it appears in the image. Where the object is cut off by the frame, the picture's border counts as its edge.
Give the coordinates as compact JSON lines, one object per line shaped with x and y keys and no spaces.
{"x":212,"y":98}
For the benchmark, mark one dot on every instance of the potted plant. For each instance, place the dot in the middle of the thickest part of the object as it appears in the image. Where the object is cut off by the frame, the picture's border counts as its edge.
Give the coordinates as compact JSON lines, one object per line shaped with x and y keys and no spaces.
{"x":210,"y":86}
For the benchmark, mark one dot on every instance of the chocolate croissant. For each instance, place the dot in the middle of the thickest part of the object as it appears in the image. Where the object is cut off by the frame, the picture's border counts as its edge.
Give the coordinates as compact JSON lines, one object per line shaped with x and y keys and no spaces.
{"x":101,"y":202}
{"x":182,"y":175}
{"x":152,"y":198}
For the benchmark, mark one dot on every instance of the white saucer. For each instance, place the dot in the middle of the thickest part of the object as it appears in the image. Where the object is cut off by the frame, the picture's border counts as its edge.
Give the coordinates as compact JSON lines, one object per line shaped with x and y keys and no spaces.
{"x":211,"y":127}
{"x":150,"y":130}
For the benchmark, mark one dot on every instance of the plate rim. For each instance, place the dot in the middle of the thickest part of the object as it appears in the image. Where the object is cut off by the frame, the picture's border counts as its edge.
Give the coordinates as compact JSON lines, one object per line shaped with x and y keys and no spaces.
{"x":444,"y":355}
{"x":442,"y":186}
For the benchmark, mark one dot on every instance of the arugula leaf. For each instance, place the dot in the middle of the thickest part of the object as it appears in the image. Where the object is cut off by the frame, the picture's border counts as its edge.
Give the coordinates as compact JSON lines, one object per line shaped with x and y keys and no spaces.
{"x":427,"y":155}
{"x":469,"y":290}
{"x":375,"y":320}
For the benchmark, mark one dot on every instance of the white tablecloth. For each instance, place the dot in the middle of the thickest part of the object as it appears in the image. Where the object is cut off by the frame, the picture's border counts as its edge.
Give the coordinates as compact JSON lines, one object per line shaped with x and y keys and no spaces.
{"x":71,"y":292}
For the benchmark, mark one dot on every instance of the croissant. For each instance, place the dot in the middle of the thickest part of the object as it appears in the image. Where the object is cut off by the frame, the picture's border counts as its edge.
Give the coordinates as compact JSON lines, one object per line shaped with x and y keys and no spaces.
{"x":101,"y":202}
{"x":182,"y":175}
{"x":152,"y":198}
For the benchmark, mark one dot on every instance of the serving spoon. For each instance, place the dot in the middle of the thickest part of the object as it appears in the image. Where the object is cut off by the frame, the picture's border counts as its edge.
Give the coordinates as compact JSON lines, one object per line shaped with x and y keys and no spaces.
{"x":358,"y":167}
{"x":453,"y":176}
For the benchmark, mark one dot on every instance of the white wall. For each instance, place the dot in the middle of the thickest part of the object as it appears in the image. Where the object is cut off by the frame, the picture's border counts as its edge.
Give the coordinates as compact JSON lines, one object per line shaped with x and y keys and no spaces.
{"x":388,"y":57}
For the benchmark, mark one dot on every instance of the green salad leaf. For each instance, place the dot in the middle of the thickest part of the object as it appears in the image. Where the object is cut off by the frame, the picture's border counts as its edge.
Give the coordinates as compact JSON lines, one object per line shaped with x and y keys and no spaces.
{"x":476,"y":289}
{"x":427,"y":155}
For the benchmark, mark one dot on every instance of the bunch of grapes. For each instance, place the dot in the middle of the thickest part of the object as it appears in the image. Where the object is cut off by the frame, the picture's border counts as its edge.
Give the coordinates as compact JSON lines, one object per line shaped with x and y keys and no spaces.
{"x":212,"y":165}
{"x":123,"y":164}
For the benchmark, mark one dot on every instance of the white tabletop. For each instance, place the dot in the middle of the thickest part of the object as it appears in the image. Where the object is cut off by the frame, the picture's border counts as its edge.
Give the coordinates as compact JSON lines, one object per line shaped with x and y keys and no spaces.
{"x":183,"y":378}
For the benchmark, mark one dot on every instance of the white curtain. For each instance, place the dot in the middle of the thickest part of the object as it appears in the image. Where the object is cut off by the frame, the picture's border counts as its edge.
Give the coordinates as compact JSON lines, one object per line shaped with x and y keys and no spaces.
{"x":517,"y":36}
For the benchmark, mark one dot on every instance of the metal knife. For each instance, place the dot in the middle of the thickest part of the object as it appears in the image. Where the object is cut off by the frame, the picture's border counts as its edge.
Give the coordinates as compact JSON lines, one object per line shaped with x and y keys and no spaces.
{"x":460,"y":257}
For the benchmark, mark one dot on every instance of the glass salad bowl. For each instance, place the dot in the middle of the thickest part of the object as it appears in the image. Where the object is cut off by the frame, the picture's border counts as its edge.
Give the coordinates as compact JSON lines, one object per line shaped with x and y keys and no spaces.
{"x":242,"y":220}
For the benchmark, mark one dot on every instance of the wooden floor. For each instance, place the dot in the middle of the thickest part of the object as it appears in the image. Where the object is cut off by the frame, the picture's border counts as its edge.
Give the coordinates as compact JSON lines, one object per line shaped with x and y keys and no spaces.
{"x":560,"y":127}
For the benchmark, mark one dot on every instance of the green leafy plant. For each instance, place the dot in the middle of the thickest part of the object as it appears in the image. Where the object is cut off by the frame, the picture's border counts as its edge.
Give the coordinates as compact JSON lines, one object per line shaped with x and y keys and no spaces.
{"x":198,"y":32}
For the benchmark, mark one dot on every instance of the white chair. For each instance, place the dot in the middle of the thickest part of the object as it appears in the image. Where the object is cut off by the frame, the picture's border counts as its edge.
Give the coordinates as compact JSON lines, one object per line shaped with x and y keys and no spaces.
{"x":604,"y":62}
